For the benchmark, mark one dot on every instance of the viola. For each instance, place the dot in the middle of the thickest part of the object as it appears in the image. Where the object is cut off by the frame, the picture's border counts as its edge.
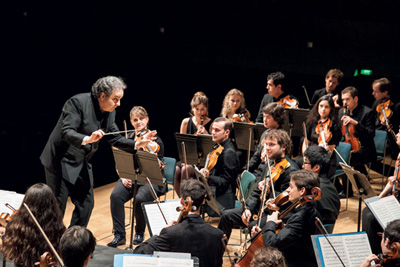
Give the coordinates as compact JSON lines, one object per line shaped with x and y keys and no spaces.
{"x":323,"y":130}
{"x":349,"y":134}
{"x":384,"y":110}
{"x":287,"y":102}
{"x":257,"y":241}
{"x":185,"y":208}
{"x":46,"y":260}
{"x":212,"y":158}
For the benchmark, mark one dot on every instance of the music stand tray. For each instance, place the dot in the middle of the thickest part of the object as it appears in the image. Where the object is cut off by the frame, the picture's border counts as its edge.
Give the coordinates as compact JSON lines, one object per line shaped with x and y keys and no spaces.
{"x":296,"y":118}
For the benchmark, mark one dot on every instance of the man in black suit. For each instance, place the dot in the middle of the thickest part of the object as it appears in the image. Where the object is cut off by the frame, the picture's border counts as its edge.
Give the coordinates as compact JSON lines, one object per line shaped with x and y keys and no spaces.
{"x":84,"y":120}
{"x":332,"y":80}
{"x":192,"y":235}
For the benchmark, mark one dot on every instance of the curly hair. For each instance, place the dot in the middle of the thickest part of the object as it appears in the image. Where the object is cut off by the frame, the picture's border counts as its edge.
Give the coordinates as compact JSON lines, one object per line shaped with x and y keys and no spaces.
{"x":226,"y":109}
{"x":282,"y":137}
{"x":268,"y":257}
{"x":23,"y":242}
{"x":107,"y":85}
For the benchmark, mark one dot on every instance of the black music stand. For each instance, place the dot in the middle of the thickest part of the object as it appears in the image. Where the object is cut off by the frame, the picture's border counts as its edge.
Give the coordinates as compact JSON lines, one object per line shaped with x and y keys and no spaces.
{"x":137,"y":167}
{"x":210,"y":199}
{"x":361,"y":184}
{"x":296,"y":117}
{"x":197,"y":147}
{"x":244,"y":135}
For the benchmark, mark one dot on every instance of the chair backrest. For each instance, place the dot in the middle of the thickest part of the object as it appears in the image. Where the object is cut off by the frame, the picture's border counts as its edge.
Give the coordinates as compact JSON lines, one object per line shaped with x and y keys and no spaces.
{"x":344,"y":151}
{"x":380,"y":141}
{"x":169,"y":172}
{"x":245,"y":182}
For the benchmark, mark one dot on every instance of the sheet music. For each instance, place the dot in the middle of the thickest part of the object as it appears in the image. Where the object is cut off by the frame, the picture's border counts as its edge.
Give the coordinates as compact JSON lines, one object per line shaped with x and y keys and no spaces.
{"x":385,"y":209}
{"x":145,"y":261}
{"x":12,"y":198}
{"x":352,"y":248}
{"x":154,"y":217}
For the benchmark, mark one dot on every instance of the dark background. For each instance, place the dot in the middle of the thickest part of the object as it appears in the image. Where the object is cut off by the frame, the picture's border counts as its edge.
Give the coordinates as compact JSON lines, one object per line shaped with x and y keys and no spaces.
{"x":52,"y":50}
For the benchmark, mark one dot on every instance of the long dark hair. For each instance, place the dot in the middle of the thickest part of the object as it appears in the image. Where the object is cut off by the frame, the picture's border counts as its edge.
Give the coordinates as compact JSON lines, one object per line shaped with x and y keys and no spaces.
{"x":313,"y":116}
{"x":23,"y":243}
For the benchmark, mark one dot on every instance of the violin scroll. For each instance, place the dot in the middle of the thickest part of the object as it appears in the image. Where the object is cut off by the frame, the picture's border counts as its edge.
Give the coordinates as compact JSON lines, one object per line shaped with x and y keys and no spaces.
{"x":186,"y":208}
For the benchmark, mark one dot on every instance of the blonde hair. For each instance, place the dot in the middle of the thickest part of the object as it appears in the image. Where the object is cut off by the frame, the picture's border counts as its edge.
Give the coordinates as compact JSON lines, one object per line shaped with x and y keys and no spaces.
{"x":138,"y":110}
{"x":226,"y":109}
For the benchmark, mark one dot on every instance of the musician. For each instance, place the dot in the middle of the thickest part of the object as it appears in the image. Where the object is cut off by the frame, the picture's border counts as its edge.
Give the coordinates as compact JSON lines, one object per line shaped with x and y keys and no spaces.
{"x":198,"y":123}
{"x":316,"y":159}
{"x":222,"y":177}
{"x":268,"y":257}
{"x":294,"y":238}
{"x":192,"y":235}
{"x":322,"y":119}
{"x":278,"y":145}
{"x":234,"y":106}
{"x":76,"y":246}
{"x":363,"y":120}
{"x":23,"y":243}
{"x":124,"y":188}
{"x":66,"y":157}
{"x":273,"y":118}
{"x":382,"y":92}
{"x":275,"y":86}
{"x":332,"y":80}
{"x":370,"y":224}
{"x":390,"y":236}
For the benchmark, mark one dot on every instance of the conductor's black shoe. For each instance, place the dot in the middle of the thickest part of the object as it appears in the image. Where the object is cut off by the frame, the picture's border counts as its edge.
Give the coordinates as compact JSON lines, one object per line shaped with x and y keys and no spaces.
{"x":138,"y":239}
{"x":118,"y":240}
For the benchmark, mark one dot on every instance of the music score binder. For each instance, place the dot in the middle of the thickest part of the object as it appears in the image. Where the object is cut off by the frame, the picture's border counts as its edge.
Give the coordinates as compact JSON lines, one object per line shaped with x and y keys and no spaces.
{"x":385,"y":209}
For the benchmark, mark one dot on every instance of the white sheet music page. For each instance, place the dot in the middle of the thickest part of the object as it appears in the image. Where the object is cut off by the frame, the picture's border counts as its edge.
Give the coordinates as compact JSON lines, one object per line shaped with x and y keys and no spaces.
{"x":12,"y":198}
{"x":385,"y":209}
{"x":139,"y":261}
{"x":155,"y":218}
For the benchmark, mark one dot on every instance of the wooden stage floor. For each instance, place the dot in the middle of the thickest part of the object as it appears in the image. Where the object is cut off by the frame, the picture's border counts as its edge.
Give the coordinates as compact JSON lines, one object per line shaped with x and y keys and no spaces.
{"x":101,"y":224}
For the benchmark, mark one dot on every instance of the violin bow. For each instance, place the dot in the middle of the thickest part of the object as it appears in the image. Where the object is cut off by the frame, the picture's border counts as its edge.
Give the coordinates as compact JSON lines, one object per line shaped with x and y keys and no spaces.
{"x":153,"y":192}
{"x":248,"y":151}
{"x":44,"y":235}
{"x":126,"y":130}
{"x":321,"y":227}
{"x":10,"y":207}
{"x":119,"y":132}
{"x":241,"y":195}
{"x":184,"y":157}
{"x":344,"y":162}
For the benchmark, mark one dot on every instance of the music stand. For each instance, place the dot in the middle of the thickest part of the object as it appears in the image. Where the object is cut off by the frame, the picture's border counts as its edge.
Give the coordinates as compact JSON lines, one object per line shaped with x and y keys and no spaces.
{"x":205,"y":145}
{"x":137,"y":167}
{"x":244,"y":135}
{"x":296,"y":117}
{"x":361,"y":184}
{"x":197,"y":147}
{"x":210,"y":199}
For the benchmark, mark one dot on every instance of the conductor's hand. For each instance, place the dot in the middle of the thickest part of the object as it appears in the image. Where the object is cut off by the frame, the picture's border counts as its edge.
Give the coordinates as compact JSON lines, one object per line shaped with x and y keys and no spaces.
{"x":246,"y":215}
{"x":146,"y":139}
{"x":95,"y":136}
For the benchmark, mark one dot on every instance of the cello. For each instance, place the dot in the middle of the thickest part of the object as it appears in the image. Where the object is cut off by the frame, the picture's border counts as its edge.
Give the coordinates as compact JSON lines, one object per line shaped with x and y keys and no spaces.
{"x":257,"y":241}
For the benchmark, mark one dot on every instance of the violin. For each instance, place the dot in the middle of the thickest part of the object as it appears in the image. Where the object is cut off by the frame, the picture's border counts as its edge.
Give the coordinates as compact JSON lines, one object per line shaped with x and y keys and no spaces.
{"x":323,"y":130}
{"x":242,"y":116}
{"x":384,"y":110}
{"x":152,"y":147}
{"x":185,"y":208}
{"x":279,"y":201}
{"x":257,"y":241}
{"x":46,"y":260}
{"x":392,"y":255}
{"x":349,"y":134}
{"x":5,"y":218}
{"x":287,"y":102}
{"x":212,"y":158}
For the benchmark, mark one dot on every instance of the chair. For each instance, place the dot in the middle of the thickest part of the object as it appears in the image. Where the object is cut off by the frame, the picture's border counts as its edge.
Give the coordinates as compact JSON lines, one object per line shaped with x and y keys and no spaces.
{"x":246,"y":182}
{"x":380,"y":146}
{"x":344,"y":150}
{"x":169,"y":173}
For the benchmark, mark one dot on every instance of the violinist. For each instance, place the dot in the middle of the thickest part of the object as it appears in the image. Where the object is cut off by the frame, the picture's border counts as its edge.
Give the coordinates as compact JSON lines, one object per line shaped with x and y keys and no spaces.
{"x":23,"y":243}
{"x":198,"y":123}
{"x":370,"y":224}
{"x":332,"y":80}
{"x":386,"y":111}
{"x":192,"y":235}
{"x":317,"y":160}
{"x":322,"y":129}
{"x":277,"y":145}
{"x":359,"y":121}
{"x":390,"y":237}
{"x":273,"y":118}
{"x":222,"y":176}
{"x":296,"y":228}
{"x":76,"y":246}
{"x":234,"y":106}
{"x":123,"y":190}
{"x":276,"y":93}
